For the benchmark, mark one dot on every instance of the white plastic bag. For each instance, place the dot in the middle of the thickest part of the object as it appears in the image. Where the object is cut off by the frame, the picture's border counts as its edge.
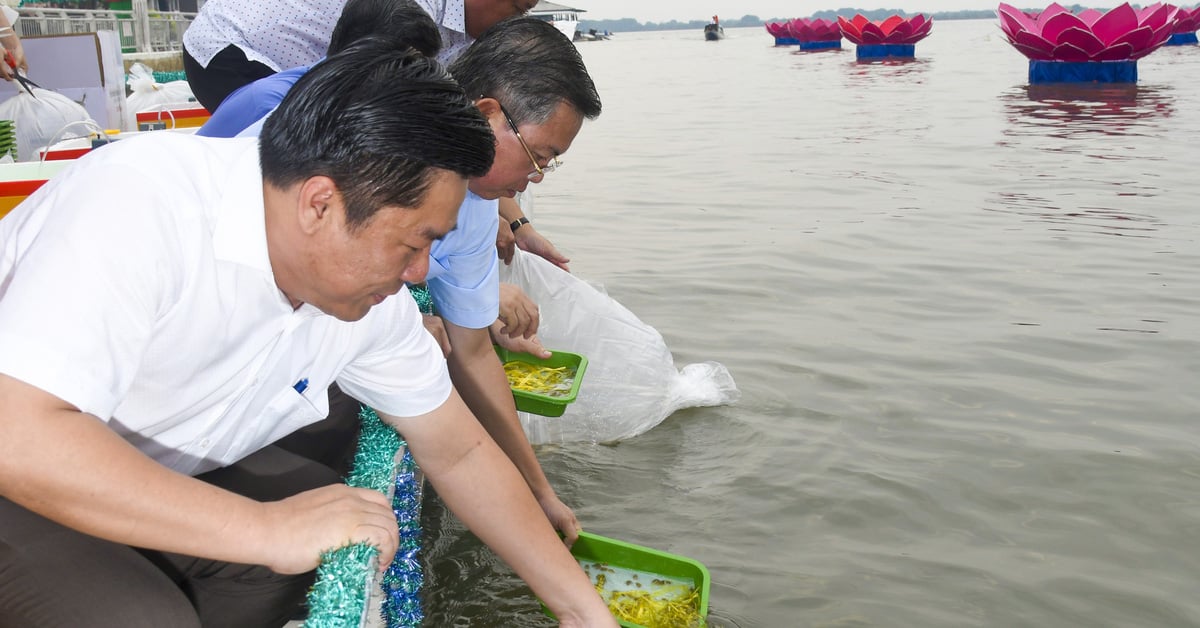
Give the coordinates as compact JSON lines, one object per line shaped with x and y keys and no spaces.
{"x":39,"y":122}
{"x":631,"y":383}
{"x":147,"y":94}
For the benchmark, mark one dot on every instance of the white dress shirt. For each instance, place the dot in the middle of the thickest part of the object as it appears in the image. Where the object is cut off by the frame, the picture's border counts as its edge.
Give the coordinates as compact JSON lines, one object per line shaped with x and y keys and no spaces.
{"x":136,"y":285}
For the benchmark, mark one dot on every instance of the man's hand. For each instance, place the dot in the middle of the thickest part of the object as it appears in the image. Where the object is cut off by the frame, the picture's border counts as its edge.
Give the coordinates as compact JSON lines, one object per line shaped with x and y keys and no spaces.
{"x":561,"y":517}
{"x":434,"y":325}
{"x":531,"y":345}
{"x":518,"y":312}
{"x":531,"y":241}
{"x":299,"y":528}
{"x":506,"y":242}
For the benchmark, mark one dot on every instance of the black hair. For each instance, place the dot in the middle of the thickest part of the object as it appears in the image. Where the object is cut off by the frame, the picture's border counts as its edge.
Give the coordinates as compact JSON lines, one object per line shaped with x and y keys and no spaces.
{"x":400,"y":20}
{"x":530,"y":67}
{"x":378,"y":121}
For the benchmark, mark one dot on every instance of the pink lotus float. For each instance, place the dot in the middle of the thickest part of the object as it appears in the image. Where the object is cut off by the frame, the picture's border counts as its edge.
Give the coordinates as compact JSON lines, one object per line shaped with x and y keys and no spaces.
{"x":815,"y":34}
{"x":779,"y":30}
{"x":1187,"y":22}
{"x":1093,"y":46}
{"x":894,"y":37}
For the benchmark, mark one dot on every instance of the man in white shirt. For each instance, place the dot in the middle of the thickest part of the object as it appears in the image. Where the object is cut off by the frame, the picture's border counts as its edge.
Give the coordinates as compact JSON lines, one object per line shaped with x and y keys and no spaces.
{"x":157,"y":339}
{"x":533,"y":67}
{"x":232,"y":43}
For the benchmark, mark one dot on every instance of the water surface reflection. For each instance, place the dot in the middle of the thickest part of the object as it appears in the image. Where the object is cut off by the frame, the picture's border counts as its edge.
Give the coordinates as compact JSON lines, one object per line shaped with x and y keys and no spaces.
{"x":1069,"y":109}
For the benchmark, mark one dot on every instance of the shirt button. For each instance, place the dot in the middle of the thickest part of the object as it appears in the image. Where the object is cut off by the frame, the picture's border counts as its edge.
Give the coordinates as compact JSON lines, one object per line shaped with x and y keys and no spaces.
{"x":205,"y":443}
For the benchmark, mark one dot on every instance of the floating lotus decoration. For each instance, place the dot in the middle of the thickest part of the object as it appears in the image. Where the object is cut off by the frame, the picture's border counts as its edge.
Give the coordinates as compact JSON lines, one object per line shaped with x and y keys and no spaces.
{"x":1119,"y":34}
{"x":894,"y":37}
{"x":815,"y":34}
{"x":1187,"y":22}
{"x":779,"y":30}
{"x":1091,"y":46}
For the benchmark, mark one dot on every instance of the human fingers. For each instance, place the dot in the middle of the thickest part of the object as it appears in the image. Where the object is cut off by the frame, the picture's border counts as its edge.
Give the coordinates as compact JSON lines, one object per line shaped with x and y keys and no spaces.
{"x":519,"y":344}
{"x":316,"y":521}
{"x":536,"y":243}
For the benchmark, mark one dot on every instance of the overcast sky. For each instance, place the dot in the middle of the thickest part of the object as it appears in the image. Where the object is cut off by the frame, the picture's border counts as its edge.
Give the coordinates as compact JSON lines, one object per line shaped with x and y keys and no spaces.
{"x":688,"y":10}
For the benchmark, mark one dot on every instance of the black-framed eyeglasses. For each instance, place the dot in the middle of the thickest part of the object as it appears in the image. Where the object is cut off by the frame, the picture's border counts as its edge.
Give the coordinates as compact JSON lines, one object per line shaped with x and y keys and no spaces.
{"x":539,"y":171}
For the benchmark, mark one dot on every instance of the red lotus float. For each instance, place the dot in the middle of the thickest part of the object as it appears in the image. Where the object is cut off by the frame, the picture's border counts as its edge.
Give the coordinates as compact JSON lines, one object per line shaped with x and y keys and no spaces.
{"x":779,"y":30}
{"x":1119,"y":34}
{"x":1187,"y":22}
{"x":814,"y":30}
{"x":894,"y":37}
{"x":894,"y":30}
{"x":1093,"y":46}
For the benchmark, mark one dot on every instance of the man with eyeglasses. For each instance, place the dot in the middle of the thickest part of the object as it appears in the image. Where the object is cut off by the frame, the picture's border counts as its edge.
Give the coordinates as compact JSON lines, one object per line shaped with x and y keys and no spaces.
{"x":531,"y":84}
{"x":233,"y":43}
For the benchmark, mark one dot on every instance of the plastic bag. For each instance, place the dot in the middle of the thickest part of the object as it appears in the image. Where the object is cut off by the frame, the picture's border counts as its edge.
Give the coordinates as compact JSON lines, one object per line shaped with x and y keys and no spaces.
{"x":39,"y":122}
{"x":147,"y":94}
{"x":631,"y":383}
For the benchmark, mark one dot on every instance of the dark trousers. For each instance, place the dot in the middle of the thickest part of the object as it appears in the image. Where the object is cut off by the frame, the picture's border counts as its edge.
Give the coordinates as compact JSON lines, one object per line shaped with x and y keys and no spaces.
{"x":54,"y":577}
{"x":225,"y":73}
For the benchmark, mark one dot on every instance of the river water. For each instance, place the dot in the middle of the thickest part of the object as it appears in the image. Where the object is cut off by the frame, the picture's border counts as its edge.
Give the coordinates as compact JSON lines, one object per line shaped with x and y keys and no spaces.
{"x":963,"y":313}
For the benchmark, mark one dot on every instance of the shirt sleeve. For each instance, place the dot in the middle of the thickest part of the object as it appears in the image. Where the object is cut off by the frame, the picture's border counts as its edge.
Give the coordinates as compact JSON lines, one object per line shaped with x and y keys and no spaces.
{"x":82,"y":285}
{"x":247,"y":105}
{"x":404,"y":373}
{"x":464,"y":280}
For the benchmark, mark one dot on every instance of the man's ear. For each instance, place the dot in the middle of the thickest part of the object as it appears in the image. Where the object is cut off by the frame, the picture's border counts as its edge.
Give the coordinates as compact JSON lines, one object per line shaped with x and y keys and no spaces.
{"x":488,"y":106}
{"x":316,"y":202}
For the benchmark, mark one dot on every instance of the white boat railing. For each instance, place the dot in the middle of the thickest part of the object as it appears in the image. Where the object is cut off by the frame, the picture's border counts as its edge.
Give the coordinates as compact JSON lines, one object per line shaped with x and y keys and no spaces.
{"x":140,"y":29}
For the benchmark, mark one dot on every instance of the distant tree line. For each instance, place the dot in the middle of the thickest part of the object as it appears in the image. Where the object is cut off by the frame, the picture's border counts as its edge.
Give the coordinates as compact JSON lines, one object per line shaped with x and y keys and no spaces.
{"x":629,"y":24}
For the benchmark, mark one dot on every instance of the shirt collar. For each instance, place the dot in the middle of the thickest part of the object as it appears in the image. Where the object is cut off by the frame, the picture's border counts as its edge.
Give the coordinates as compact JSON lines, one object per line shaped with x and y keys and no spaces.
{"x":240,"y":234}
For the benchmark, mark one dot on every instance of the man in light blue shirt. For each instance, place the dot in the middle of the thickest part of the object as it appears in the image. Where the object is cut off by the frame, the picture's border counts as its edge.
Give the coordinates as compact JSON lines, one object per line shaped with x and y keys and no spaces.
{"x":532,"y":86}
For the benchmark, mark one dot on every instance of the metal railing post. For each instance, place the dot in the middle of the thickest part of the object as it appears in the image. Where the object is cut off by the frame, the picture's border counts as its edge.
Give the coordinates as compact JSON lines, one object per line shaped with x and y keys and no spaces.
{"x":141,"y":21}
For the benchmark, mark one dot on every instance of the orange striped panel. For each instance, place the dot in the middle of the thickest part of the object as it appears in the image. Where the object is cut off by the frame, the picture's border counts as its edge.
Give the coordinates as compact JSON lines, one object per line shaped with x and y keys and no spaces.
{"x":13,"y":192}
{"x":184,"y":118}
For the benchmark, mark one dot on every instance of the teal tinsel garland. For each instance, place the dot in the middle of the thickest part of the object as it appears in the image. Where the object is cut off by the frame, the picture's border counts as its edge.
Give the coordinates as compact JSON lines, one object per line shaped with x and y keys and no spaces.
{"x":339,"y":597}
{"x":420,"y":294}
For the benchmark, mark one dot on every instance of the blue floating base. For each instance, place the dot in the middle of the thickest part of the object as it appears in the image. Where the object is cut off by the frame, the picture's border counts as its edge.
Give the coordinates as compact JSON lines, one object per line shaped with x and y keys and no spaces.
{"x":786,"y":41}
{"x":1182,"y":39}
{"x":1085,"y":72}
{"x":821,"y":45}
{"x":880,"y":51}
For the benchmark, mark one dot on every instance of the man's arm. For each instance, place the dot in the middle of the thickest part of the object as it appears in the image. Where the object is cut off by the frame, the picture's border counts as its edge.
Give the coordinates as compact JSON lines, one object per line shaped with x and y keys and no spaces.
{"x":479,"y":378}
{"x":71,"y":468}
{"x":526,"y":237}
{"x":485,"y":491}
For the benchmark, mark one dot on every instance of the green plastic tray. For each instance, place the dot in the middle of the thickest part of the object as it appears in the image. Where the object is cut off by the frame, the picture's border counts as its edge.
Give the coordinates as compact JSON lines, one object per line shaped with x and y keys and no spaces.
{"x":545,"y":405}
{"x":593,"y":547}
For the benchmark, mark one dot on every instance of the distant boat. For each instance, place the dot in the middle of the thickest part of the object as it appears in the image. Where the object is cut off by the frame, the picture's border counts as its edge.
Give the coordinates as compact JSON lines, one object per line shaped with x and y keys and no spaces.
{"x":564,"y":18}
{"x":714,"y":31}
{"x":592,"y":35}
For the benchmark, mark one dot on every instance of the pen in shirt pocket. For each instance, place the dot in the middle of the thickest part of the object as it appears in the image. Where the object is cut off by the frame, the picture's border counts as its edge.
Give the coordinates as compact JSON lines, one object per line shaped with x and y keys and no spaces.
{"x":301,"y":386}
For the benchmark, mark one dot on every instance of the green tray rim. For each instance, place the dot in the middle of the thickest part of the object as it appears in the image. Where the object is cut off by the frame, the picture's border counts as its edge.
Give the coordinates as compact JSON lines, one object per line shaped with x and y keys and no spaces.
{"x":545,"y":405}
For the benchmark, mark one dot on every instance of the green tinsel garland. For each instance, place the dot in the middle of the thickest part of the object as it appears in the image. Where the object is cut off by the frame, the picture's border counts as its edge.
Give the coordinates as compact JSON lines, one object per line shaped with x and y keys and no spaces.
{"x":420,"y":294}
{"x":339,"y":597}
